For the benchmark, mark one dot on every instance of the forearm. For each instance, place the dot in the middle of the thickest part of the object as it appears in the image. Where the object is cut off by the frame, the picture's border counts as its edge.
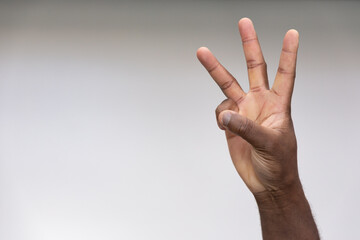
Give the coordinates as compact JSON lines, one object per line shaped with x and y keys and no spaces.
{"x":286,"y":214}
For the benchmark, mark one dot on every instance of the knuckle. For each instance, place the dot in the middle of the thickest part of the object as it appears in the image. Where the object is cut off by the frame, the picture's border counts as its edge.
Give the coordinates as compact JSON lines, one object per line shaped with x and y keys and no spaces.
{"x":218,"y":110}
{"x":222,"y":106}
{"x":225,"y":101}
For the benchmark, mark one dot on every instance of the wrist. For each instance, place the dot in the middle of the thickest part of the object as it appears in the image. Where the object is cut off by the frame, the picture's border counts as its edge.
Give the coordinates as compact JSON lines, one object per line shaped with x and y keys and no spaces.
{"x":286,"y":214}
{"x":281,"y":199}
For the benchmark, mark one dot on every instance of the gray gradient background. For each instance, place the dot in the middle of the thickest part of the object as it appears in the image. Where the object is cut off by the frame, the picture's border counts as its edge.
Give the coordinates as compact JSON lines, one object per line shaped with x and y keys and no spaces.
{"x":107,"y":127}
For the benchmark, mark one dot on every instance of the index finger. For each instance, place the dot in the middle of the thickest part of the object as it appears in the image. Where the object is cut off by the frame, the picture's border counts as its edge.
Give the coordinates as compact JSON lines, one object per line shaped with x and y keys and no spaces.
{"x":222,"y":77}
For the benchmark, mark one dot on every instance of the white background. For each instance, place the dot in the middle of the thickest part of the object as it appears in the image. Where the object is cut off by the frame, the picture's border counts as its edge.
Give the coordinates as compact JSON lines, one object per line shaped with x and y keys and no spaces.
{"x":107,"y":127}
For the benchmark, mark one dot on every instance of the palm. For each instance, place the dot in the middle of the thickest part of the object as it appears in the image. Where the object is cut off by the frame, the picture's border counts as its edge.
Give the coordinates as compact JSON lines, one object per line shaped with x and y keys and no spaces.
{"x":269,"y":108}
{"x":264,"y":108}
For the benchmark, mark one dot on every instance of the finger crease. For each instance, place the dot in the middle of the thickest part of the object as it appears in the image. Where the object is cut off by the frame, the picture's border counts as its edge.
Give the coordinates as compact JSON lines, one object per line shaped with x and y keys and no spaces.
{"x":253,"y":64}
{"x":249,"y":40}
{"x":256,"y":89}
{"x":275,"y":91}
{"x":226,"y":85}
{"x":287,"y":51}
{"x":214,"y":68}
{"x":283,"y":71}
{"x":240,"y":99}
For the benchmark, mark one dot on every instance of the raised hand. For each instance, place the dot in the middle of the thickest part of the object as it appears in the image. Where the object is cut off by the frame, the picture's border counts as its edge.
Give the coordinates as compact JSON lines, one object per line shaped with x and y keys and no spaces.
{"x":261,"y":138}
{"x":258,"y":124}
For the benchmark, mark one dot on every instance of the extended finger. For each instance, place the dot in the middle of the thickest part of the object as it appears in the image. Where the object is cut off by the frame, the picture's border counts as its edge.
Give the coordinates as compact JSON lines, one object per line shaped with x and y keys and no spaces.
{"x":254,"y":58}
{"x":285,"y":76}
{"x":222,"y":77}
{"x":227,"y":104}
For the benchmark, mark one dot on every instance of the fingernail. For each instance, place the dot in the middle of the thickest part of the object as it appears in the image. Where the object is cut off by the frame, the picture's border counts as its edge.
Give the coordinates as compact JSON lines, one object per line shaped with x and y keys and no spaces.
{"x":226,"y":118}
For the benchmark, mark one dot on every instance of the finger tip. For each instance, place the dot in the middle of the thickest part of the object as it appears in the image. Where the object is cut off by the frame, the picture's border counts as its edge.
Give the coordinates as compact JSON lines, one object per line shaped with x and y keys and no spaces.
{"x":202,"y":49}
{"x":291,"y":40}
{"x":246,"y":27}
{"x":202,"y":52}
{"x":245,"y":20}
{"x":293,"y":33}
{"x":245,"y":23}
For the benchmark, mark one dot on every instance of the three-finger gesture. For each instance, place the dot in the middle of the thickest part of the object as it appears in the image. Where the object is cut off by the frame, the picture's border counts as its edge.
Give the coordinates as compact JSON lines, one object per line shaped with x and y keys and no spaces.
{"x":258,"y":124}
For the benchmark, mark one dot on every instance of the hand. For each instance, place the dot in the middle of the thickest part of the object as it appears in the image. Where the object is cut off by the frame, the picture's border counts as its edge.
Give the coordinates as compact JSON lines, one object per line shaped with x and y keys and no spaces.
{"x":258,"y":124}
{"x":261,"y":137}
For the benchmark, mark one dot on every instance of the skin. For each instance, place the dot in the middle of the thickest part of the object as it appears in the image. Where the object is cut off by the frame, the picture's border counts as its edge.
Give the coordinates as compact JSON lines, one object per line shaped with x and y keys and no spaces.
{"x":260,"y":135}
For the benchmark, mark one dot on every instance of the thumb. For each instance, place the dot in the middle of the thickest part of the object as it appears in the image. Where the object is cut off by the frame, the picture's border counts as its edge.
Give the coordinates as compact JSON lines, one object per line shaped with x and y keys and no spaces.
{"x":253,"y":133}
